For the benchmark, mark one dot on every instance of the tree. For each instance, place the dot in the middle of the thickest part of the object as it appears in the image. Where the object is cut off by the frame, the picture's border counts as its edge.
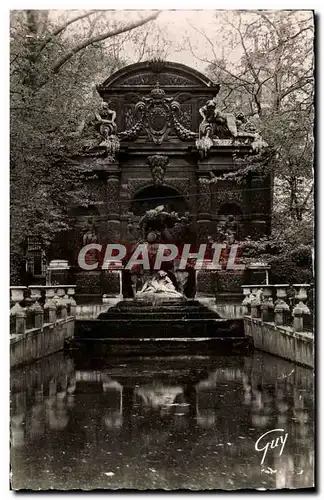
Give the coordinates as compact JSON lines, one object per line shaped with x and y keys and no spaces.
{"x":55,"y":64}
{"x":266,"y":68}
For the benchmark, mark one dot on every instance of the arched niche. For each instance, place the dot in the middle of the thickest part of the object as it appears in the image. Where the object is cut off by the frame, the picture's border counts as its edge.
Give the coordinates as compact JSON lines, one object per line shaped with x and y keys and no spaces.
{"x":152,"y":196}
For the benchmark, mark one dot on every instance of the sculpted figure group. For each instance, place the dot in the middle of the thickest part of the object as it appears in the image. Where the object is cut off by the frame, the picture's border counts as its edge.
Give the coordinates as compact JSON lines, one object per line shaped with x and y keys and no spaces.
{"x":217,"y":124}
{"x":107,"y":128}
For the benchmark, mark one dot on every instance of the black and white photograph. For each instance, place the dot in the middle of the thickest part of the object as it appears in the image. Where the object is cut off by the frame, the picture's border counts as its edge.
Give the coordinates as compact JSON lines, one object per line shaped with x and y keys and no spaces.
{"x":162,"y":250}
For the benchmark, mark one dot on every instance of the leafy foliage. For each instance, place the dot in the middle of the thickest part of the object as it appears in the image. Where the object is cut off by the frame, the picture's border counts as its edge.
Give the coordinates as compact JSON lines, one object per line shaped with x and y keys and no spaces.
{"x":266,"y":70}
{"x":54,"y":70}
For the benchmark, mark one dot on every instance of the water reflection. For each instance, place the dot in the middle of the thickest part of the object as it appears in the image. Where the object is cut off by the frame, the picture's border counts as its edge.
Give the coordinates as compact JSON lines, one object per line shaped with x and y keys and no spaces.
{"x":188,"y":422}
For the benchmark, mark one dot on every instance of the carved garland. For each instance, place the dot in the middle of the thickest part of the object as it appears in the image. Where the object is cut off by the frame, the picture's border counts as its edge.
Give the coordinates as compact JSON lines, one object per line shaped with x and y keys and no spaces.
{"x":158,"y":165}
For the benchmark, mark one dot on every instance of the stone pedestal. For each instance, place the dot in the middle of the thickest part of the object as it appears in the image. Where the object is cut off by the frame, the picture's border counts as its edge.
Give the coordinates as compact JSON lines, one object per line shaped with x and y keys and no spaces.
{"x":88,"y":287}
{"x":205,"y":283}
{"x":58,"y":272}
{"x":228,"y":285}
{"x":257,"y":274}
{"x":111,"y":283}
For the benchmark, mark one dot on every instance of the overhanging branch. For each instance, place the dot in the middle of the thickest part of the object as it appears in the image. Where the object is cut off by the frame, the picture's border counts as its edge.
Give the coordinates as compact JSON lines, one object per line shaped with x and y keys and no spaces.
{"x":99,"y":38}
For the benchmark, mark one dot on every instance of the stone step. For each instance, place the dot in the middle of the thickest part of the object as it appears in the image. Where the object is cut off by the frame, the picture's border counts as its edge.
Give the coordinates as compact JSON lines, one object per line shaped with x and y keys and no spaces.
{"x":130,"y":306}
{"x":158,"y":328}
{"x":154,"y":309}
{"x":173,"y":304}
{"x":129,"y":309}
{"x":88,"y":350}
{"x":162,"y":315}
{"x":138,"y":313}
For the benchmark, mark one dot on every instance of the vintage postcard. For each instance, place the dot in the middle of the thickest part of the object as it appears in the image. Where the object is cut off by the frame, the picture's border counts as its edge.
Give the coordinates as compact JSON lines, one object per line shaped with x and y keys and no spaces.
{"x":162,"y":250}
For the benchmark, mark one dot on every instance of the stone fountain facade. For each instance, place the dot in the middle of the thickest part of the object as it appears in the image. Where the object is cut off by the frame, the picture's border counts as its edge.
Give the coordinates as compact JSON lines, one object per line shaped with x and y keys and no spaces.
{"x":159,"y":138}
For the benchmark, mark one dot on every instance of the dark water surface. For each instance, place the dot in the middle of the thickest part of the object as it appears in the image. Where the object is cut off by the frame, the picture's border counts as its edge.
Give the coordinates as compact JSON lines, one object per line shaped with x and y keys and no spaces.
{"x":171,"y":422}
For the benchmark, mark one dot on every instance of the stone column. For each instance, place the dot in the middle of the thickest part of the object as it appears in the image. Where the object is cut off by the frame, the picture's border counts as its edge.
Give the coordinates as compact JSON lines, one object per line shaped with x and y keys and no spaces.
{"x":300,"y":309}
{"x":203,"y":208}
{"x":113,"y":207}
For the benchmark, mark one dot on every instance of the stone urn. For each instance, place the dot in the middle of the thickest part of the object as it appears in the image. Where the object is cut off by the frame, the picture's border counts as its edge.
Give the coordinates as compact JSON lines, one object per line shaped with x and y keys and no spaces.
{"x":17,"y":294}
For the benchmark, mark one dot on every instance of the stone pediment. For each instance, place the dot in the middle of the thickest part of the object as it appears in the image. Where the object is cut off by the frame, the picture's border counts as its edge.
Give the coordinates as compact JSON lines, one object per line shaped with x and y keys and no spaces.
{"x":165,"y":73}
{"x":157,"y":99}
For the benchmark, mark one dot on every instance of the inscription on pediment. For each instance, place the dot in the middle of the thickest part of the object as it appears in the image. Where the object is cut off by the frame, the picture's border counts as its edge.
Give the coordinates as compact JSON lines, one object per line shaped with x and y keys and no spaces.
{"x":154,"y":78}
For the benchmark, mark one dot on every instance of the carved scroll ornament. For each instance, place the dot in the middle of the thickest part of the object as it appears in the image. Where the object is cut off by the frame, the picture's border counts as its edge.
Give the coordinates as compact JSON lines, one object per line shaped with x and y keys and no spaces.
{"x":157,"y":114}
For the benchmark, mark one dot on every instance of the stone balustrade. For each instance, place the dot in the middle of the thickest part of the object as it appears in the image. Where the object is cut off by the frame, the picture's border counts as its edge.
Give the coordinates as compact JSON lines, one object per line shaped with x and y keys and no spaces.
{"x":271,"y":304}
{"x":35,"y":306}
{"x":279,"y":320}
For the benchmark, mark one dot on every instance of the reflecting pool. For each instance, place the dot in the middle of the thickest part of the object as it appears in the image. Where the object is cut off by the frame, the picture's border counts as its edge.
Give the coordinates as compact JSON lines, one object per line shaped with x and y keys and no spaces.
{"x":162,"y":422}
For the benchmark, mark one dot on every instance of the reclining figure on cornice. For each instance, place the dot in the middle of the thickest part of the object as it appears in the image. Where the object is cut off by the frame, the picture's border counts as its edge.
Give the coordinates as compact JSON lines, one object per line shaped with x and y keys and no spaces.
{"x":219,"y":125}
{"x":247,"y":131}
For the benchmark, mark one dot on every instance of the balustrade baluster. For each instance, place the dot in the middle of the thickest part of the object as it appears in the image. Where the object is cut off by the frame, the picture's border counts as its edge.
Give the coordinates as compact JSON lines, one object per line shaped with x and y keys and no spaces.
{"x":49,"y":306}
{"x":36,"y":308}
{"x":30,"y":316}
{"x":246,"y":303}
{"x":16,"y":297}
{"x":301,"y":309}
{"x":267,"y":305}
{"x":71,"y":292}
{"x":281,"y":310}
{"x":20,"y":322}
{"x":256,"y":303}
